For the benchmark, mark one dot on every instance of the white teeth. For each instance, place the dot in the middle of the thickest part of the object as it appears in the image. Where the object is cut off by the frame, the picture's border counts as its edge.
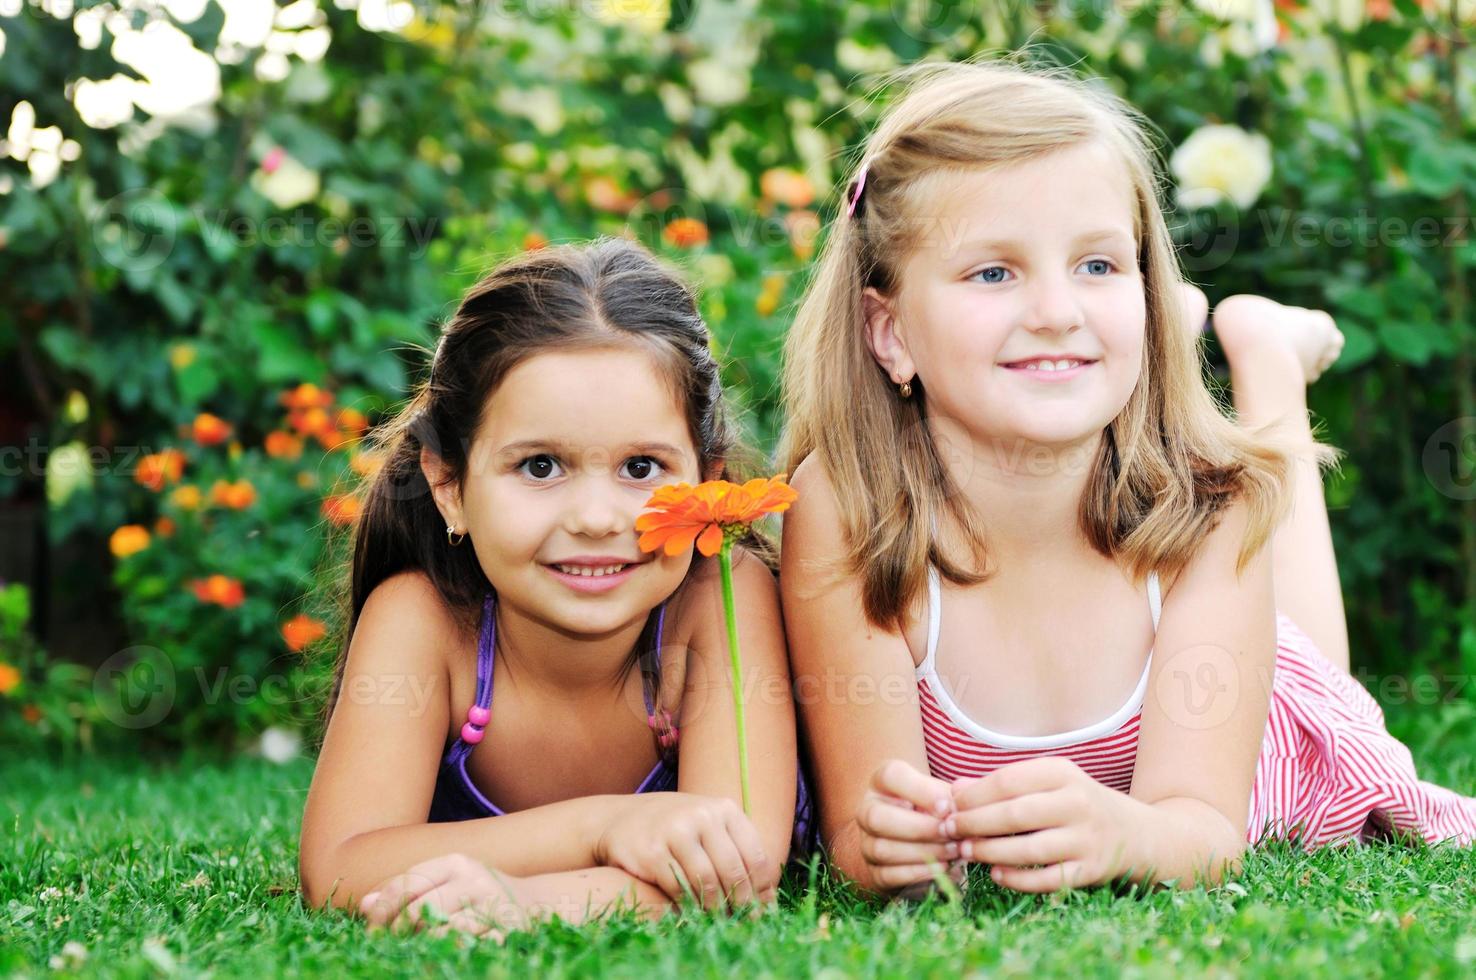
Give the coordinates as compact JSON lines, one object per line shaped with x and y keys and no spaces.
{"x":1062,"y":365}
{"x":587,"y":571}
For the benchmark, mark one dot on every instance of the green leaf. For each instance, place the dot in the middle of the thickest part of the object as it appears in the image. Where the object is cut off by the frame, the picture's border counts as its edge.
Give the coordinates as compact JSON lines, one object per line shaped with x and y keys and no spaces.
{"x":283,"y":357}
{"x":1433,"y":170}
{"x":196,"y":382}
{"x":1406,"y":340}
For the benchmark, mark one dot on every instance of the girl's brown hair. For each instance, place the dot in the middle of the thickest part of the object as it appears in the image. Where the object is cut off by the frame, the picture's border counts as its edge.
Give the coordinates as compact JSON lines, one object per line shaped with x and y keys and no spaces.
{"x":610,"y":293}
{"x":1167,"y":463}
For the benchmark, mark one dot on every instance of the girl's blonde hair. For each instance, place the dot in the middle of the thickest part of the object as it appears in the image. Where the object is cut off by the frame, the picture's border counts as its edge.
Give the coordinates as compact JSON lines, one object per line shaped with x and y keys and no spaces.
{"x":1168,"y":462}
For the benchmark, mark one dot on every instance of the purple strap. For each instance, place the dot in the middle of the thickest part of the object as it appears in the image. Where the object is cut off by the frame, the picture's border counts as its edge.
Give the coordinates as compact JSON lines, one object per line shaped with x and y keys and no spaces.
{"x":487,"y":644}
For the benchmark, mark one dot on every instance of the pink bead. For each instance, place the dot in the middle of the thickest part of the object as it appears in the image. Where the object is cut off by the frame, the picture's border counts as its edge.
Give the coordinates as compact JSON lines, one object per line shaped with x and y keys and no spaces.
{"x":478,"y":715}
{"x":471,"y":734}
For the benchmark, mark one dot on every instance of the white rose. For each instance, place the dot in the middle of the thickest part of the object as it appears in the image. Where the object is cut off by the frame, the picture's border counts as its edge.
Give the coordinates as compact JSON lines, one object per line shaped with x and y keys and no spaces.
{"x":1347,"y":14}
{"x":1218,"y":162}
{"x":280,"y":745}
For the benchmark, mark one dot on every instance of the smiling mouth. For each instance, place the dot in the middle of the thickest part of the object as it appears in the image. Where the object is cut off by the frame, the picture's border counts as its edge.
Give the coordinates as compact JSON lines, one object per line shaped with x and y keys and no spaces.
{"x":1048,"y":365}
{"x":588,"y":571}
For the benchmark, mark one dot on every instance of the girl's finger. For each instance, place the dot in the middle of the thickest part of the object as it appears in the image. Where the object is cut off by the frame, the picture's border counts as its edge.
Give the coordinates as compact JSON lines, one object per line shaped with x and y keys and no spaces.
{"x":701,"y":879}
{"x":884,"y":850}
{"x":1019,"y":815}
{"x":1043,"y":847}
{"x":1051,"y":878}
{"x":882,"y":819}
{"x":894,"y":876}
{"x":1016,"y":779}
{"x":902,"y":779}
{"x":734,"y":884}
{"x":472,"y":920}
{"x":431,"y":909}
{"x":763,"y":873}
{"x":390,"y":898}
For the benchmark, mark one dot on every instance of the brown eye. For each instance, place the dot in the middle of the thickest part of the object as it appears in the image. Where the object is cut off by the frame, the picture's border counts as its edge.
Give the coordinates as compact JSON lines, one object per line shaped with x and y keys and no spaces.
{"x":643,"y":467}
{"x":539,"y":467}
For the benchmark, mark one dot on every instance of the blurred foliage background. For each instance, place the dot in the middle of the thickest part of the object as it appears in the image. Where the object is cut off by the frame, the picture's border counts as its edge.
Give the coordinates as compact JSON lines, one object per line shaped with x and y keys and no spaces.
{"x":229,"y":227}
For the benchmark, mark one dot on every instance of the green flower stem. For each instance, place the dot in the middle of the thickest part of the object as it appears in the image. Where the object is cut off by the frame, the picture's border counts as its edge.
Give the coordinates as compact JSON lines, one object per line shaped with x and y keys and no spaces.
{"x":725,"y":562}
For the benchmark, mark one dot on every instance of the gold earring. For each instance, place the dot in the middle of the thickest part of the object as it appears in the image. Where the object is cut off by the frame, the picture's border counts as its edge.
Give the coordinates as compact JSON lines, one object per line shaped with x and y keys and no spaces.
{"x":453,"y":542}
{"x":905,"y":389}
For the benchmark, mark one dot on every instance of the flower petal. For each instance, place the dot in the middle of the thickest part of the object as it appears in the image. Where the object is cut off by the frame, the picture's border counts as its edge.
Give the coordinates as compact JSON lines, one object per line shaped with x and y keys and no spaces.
{"x":711,"y":541}
{"x":681,"y":539}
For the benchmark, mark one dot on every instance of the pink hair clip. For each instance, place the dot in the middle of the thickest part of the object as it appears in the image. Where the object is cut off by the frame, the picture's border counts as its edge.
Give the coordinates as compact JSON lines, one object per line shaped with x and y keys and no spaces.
{"x":860,"y":186}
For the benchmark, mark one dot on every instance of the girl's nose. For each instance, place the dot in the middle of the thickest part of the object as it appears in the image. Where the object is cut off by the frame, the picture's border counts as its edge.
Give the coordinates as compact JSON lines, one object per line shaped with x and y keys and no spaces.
{"x":598,"y":510}
{"x":1054,"y":306}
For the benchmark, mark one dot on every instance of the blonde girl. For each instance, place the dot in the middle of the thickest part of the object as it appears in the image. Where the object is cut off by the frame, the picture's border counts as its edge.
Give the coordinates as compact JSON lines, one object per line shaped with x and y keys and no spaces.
{"x":1049,"y":610}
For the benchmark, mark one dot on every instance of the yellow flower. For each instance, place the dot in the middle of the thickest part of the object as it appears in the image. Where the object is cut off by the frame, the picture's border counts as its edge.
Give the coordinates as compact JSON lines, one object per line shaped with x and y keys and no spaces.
{"x":129,"y":539}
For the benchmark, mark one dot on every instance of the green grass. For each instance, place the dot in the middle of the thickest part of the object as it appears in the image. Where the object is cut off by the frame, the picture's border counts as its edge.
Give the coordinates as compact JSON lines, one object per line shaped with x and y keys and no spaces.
{"x":163,"y":868}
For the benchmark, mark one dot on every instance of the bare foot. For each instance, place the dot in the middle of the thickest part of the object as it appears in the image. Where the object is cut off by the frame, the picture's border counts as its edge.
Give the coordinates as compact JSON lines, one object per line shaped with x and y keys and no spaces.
{"x":1195,"y":307}
{"x":1254,"y":330}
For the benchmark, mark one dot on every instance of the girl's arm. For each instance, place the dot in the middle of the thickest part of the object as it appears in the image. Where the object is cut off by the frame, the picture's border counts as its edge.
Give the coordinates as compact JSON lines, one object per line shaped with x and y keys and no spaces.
{"x":366,"y":811}
{"x":1204,"y":715}
{"x":857,"y":695}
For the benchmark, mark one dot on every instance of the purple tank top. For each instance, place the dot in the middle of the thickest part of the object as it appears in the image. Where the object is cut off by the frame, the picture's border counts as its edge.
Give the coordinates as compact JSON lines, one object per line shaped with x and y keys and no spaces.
{"x":457,"y":798}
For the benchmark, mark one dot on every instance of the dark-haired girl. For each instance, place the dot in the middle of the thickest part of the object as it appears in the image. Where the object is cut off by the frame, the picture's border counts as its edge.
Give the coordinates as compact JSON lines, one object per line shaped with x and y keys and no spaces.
{"x":497,"y":552}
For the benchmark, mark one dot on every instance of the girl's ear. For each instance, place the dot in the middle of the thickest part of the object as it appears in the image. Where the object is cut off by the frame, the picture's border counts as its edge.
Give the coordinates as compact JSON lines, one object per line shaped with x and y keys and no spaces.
{"x":445,"y":492}
{"x":714,"y":471}
{"x":884,"y":336}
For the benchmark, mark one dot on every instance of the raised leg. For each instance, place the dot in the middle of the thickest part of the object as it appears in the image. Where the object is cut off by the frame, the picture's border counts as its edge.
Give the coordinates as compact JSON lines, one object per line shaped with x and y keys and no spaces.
{"x":1274,"y":353}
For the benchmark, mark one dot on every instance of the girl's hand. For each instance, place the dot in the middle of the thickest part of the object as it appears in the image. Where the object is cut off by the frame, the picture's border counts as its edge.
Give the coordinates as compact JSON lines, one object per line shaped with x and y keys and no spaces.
{"x":453,"y":891}
{"x":1072,"y":827}
{"x":685,"y":843}
{"x":901,"y":823}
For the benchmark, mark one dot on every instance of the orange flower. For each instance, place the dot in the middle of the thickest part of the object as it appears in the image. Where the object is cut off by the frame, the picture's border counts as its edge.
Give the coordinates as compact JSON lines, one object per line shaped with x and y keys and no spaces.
{"x":157,"y":469}
{"x":685,"y":232}
{"x":219,"y":589}
{"x":306,"y":396}
{"x":283,"y":445}
{"x":330,"y":438}
{"x":352,"y":420}
{"x":127,"y":540}
{"x":788,"y":187}
{"x":31,"y":714}
{"x":209,"y":430}
{"x":341,"y":509}
{"x":237,"y":496}
{"x":311,"y":421}
{"x":300,"y":631}
{"x":533,"y":241}
{"x":708,"y":512}
{"x":164,"y":527}
{"x":186,"y":497}
{"x":607,"y":195}
{"x":10,"y":678}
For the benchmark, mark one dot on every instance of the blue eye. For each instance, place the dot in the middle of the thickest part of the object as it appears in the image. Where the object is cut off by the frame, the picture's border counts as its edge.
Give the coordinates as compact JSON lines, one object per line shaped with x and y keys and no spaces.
{"x":542,"y":466}
{"x":993,"y":268}
{"x":648,"y":466}
{"x":1108,"y":266}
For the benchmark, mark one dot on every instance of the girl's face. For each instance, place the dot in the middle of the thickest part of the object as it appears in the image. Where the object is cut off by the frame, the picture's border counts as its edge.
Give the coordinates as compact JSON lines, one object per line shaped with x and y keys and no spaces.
{"x":1022,"y":311}
{"x":570,"y":447}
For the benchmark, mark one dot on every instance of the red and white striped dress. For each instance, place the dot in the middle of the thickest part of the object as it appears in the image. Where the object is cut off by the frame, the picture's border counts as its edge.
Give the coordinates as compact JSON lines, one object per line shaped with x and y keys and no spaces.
{"x":1329,"y":772}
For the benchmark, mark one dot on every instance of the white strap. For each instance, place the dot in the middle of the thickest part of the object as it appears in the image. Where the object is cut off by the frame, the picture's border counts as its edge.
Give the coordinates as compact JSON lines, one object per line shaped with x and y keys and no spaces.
{"x":1155,"y":600}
